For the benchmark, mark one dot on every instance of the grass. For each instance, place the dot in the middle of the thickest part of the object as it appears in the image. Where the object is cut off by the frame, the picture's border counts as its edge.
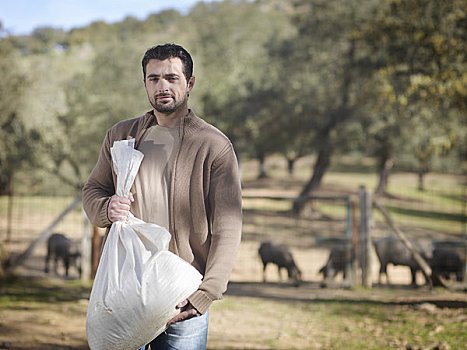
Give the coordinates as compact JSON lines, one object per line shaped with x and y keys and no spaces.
{"x":338,"y":325}
{"x":42,"y":204}
{"x":441,"y":207}
{"x":16,"y":290}
{"x":264,"y":323}
{"x":46,"y":314}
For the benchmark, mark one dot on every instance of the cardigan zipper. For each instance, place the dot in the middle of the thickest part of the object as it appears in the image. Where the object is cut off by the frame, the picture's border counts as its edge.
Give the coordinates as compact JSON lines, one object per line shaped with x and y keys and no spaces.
{"x":181,"y":135}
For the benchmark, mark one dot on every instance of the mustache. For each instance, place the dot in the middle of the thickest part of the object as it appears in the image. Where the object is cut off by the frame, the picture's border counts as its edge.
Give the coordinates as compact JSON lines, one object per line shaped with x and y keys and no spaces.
{"x":163,"y":95}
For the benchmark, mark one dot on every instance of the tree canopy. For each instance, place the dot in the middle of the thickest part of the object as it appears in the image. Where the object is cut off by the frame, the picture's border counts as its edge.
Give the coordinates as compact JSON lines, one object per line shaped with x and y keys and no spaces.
{"x":386,"y":78}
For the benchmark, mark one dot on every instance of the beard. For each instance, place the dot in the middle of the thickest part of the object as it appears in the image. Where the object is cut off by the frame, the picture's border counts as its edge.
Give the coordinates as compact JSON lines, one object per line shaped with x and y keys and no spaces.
{"x":168,"y":107}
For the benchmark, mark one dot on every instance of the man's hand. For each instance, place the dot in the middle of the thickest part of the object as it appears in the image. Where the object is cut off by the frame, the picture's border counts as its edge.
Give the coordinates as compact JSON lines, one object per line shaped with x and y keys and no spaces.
{"x":119,"y":207}
{"x":187,"y":311}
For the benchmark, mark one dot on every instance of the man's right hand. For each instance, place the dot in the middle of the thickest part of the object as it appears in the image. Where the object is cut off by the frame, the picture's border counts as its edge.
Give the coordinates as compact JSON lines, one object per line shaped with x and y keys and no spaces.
{"x":119,"y":207}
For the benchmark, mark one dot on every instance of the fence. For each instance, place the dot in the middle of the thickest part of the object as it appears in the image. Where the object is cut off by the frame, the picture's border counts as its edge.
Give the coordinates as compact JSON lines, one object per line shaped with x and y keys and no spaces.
{"x":329,"y":221}
{"x":27,"y":221}
{"x":29,"y":215}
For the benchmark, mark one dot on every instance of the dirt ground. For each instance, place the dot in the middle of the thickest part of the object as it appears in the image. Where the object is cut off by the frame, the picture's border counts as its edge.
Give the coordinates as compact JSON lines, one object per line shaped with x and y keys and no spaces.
{"x":60,"y":324}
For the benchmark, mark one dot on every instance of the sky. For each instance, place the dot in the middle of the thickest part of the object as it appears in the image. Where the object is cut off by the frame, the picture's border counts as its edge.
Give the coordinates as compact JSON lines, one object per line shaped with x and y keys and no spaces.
{"x":20,"y":17}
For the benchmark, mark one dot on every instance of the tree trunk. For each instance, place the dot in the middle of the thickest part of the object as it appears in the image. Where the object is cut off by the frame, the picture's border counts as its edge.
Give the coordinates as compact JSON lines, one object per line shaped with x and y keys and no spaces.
{"x":262,"y":166}
{"x":319,"y":169}
{"x":385,"y":169}
{"x":9,"y":223}
{"x":421,"y":182}
{"x":290,"y":165}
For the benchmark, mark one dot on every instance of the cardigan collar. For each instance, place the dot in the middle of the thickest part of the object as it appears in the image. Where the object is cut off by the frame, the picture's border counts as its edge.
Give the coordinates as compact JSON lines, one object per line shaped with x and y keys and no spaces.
{"x":190,"y":122}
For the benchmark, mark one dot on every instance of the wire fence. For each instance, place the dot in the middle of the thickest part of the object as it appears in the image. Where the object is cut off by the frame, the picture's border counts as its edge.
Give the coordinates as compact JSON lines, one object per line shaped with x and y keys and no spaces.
{"x":24,"y":221}
{"x":30,"y":215}
{"x":327,"y":222}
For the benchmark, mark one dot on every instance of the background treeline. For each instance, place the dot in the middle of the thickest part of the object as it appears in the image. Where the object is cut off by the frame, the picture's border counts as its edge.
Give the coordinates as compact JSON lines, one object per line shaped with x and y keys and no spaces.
{"x":378,"y":78}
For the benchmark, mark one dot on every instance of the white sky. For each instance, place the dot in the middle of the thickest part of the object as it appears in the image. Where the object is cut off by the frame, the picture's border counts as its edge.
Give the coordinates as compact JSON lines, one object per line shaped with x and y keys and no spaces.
{"x":23,"y":16}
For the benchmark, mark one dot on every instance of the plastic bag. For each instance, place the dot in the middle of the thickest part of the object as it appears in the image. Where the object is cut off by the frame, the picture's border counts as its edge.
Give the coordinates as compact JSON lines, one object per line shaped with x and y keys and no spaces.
{"x":138,"y":281}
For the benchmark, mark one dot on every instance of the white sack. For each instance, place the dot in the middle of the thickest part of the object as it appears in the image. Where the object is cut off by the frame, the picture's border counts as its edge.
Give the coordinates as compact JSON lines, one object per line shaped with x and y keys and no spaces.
{"x":138,"y":282}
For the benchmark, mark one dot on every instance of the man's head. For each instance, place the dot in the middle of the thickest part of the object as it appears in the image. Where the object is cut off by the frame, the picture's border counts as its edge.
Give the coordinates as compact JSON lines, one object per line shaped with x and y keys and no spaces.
{"x":168,"y":78}
{"x":166,"y":51}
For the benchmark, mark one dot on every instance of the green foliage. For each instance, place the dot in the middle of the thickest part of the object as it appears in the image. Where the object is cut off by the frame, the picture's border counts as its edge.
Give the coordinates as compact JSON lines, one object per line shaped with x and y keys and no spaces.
{"x":421,"y":46}
{"x":385,"y":78}
{"x":419,"y":76}
{"x":237,"y":76}
{"x":16,"y":140}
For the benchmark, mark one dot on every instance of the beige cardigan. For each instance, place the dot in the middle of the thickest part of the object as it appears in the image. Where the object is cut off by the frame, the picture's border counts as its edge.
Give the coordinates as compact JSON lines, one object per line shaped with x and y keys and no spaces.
{"x":204,"y":205}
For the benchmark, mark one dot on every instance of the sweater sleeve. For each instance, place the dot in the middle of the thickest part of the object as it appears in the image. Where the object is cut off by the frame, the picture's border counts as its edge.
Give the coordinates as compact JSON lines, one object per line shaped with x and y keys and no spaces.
{"x":99,"y":187}
{"x":225,"y":200}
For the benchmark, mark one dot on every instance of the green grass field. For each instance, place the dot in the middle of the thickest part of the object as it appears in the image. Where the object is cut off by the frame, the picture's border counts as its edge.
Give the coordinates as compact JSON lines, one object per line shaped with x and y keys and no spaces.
{"x":441,"y":207}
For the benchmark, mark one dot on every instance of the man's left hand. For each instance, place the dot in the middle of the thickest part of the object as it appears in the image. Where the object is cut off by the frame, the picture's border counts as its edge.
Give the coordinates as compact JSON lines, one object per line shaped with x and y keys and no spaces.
{"x":187,"y":311}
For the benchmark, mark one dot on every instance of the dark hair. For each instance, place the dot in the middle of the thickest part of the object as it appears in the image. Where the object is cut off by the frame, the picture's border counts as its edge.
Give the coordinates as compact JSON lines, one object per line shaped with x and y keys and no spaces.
{"x":166,"y":51}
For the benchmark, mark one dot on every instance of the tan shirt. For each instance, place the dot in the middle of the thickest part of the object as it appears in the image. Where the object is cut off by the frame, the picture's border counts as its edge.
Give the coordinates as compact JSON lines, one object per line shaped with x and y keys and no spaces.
{"x":152,"y":184}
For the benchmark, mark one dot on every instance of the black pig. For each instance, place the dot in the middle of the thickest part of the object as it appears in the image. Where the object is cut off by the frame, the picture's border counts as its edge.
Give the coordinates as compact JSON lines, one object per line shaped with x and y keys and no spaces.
{"x":446,"y":261}
{"x":391,"y":250}
{"x":60,"y":247}
{"x":337,"y":262}
{"x":282,"y":257}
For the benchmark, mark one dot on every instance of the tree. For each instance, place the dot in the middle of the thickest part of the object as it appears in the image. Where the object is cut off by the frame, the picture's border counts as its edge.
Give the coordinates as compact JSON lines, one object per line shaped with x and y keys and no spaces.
{"x":78,"y":93}
{"x":419,"y":60}
{"x":16,"y":141}
{"x":326,"y":62}
{"x":42,"y":40}
{"x":432,"y":145}
{"x":238,"y":81}
{"x":111,"y":91}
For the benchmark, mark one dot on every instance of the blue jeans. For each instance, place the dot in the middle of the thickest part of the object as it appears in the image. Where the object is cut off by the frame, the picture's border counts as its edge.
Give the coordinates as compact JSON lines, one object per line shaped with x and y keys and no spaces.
{"x":191,"y":334}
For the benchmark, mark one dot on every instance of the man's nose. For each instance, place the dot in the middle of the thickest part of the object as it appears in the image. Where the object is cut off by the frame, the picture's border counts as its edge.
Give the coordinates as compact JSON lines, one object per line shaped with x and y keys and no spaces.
{"x":162,"y":85}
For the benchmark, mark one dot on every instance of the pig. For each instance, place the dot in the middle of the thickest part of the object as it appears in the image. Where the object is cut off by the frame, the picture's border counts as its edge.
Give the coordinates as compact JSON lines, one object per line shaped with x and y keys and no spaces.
{"x":60,"y":247}
{"x":337,"y":262}
{"x":391,"y":250}
{"x":280,"y":255}
{"x":445,"y":262}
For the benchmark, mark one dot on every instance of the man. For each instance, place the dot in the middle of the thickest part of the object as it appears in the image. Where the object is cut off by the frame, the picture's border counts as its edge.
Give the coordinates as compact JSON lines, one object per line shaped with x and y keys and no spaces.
{"x":188,"y":182}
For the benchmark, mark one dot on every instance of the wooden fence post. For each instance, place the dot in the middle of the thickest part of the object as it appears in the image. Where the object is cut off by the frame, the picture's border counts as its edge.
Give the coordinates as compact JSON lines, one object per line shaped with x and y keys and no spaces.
{"x":86,"y":249}
{"x":368,"y":241}
{"x":349,"y":266}
{"x":96,"y":251}
{"x":9,"y":216}
{"x":355,"y":243}
{"x":365,"y":197}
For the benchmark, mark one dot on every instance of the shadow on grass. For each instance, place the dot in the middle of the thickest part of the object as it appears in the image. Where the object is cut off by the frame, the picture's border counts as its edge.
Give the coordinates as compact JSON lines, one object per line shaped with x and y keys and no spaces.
{"x":43,"y":346}
{"x":428,"y":214}
{"x":454,"y":197}
{"x":313,"y":293}
{"x":15,"y":288}
{"x":35,"y":301}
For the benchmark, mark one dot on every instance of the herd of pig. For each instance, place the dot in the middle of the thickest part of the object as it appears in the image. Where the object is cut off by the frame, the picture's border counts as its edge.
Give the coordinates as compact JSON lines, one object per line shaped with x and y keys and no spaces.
{"x":445,"y":262}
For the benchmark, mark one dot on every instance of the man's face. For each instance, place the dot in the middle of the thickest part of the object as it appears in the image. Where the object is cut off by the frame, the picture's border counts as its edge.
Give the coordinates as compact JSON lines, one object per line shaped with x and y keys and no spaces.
{"x":166,"y":85}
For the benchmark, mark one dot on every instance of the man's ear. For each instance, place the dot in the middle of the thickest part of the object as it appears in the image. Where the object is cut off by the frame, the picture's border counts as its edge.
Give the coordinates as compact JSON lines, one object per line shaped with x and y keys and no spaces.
{"x":191,"y":83}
